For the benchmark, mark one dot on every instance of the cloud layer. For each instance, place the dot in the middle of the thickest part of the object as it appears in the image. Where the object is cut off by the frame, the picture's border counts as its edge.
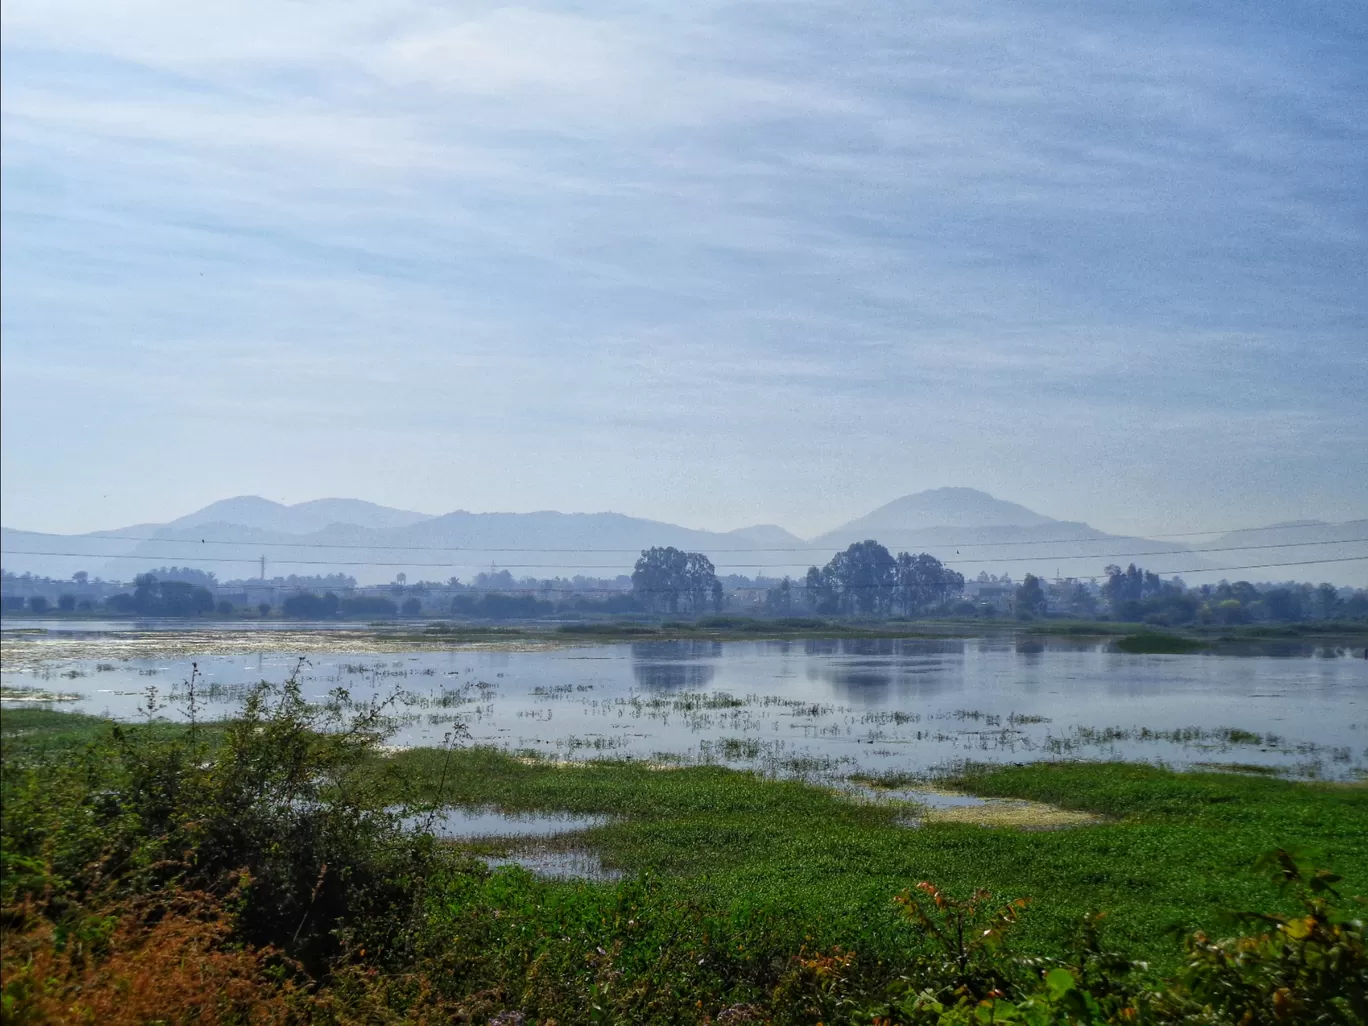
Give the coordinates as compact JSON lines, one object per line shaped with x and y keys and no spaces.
{"x":712,"y":263}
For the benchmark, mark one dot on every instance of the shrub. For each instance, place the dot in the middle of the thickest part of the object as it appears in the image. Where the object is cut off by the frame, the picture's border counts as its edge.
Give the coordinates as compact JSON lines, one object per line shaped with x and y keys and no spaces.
{"x":280,"y":808}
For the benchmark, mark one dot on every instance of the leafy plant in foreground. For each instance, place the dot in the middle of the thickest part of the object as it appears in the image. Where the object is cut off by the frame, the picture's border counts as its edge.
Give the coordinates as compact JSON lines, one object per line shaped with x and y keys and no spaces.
{"x":1310,"y":968}
{"x":970,"y":933}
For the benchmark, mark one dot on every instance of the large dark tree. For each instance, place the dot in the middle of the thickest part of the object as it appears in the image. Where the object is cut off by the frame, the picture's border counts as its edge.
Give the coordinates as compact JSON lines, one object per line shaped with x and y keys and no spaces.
{"x":866,"y":580}
{"x":923,"y":581}
{"x":669,"y":580}
{"x":1030,"y":598}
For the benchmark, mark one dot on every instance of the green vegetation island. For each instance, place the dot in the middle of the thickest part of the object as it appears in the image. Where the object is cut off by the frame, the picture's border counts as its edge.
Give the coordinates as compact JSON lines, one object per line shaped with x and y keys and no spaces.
{"x":289,"y":865}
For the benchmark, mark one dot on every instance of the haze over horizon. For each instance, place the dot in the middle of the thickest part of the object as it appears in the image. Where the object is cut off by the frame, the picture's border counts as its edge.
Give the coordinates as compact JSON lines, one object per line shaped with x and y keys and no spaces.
{"x":969,"y":503}
{"x":970,"y":530}
{"x":715,"y":265}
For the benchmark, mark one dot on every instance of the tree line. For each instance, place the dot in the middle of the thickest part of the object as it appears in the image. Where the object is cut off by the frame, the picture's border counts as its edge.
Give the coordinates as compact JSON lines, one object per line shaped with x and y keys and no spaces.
{"x":1136,"y":594}
{"x":864,"y":580}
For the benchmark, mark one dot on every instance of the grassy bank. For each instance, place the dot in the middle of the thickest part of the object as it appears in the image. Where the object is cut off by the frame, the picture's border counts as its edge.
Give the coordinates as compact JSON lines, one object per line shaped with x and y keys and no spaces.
{"x":273,"y":850}
{"x":1174,"y":849}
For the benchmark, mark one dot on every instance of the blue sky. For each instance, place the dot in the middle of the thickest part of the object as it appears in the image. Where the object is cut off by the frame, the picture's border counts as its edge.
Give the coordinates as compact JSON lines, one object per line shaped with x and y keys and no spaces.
{"x":713,"y":263}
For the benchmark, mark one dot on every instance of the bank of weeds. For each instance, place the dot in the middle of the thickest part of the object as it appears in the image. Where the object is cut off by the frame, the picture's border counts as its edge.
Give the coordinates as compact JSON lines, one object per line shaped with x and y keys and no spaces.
{"x":271,"y":852}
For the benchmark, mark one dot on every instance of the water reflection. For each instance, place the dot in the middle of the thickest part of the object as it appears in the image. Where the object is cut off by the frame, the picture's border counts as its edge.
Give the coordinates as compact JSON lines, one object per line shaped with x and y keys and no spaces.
{"x":883,"y":705}
{"x":559,"y":864}
{"x":673,"y":676}
{"x":488,"y":821}
{"x":675,"y":665}
{"x":673,"y":651}
{"x":857,"y":684}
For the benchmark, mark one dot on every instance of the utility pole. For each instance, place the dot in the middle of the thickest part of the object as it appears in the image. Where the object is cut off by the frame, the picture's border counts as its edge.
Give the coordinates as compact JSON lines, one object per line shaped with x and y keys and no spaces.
{"x":263,"y":568}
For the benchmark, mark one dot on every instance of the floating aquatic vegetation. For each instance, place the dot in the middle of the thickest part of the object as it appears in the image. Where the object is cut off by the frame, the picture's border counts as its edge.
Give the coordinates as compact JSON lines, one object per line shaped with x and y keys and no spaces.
{"x":558,"y":864}
{"x":20,"y":693}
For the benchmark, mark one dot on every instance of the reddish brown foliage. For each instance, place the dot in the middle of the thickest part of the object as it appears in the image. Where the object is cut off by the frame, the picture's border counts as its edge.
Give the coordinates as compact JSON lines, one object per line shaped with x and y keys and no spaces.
{"x":167,"y":963}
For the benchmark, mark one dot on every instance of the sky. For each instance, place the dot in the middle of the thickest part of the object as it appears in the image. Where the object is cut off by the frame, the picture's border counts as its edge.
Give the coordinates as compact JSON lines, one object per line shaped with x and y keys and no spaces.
{"x":712,"y":263}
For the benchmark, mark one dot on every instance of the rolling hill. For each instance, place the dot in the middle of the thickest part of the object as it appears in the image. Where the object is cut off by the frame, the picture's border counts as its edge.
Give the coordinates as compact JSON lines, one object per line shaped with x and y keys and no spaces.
{"x":968,"y":529}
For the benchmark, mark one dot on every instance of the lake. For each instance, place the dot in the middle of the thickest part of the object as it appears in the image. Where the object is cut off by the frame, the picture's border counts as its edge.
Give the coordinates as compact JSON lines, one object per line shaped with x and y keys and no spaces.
{"x":816,"y":707}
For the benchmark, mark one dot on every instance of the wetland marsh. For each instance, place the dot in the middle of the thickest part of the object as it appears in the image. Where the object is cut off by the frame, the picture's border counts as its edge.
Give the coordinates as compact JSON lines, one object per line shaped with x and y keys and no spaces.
{"x":816,"y":707}
{"x":490,"y":875}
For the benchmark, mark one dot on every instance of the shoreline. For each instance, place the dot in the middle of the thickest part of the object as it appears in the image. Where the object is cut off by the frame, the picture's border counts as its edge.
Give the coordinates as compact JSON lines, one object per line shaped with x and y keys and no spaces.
{"x":27,"y":647}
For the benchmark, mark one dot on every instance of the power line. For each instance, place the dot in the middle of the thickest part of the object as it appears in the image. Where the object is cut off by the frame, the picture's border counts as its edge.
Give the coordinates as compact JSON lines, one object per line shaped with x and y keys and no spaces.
{"x":632,"y":591}
{"x":801,"y":548}
{"x":1174,"y":573}
{"x":736,"y":566}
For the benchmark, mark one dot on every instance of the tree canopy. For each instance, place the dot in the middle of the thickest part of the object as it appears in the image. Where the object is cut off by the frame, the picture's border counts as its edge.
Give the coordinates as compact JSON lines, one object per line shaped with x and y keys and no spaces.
{"x":867,"y":580}
{"x":669,"y":580}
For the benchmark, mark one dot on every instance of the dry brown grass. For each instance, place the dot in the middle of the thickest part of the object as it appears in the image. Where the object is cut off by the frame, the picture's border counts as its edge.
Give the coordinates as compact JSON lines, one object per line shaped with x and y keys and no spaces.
{"x":1015,"y":814}
{"x":165,"y":963}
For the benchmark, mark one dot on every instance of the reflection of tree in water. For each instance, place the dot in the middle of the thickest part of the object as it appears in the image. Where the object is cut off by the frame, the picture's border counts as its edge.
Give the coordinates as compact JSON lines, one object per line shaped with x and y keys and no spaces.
{"x":859,"y":685}
{"x":670,"y":651}
{"x":884,"y":648}
{"x":674,"y":665}
{"x":673,"y":676}
{"x":875,"y":671}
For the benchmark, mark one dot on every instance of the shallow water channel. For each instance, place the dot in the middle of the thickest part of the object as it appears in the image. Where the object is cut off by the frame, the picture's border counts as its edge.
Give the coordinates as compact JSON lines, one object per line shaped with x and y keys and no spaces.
{"x":809,"y":707}
{"x":489,"y":822}
{"x":526,"y":834}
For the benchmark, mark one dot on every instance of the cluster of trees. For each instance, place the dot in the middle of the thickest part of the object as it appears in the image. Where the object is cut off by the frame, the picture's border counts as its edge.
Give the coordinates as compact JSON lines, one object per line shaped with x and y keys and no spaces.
{"x":668,"y":580}
{"x":154,"y":597}
{"x":300,"y":582}
{"x":489,"y":606}
{"x":494,"y":606}
{"x":308,"y":605}
{"x":867,"y":580}
{"x":1135,"y":594}
{"x":779,"y":599}
{"x":186,"y":575}
{"x":39,"y":604}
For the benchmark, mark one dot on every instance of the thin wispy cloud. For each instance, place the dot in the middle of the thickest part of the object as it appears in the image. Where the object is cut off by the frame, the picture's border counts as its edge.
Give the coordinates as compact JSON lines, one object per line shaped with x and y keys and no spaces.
{"x":712,"y":263}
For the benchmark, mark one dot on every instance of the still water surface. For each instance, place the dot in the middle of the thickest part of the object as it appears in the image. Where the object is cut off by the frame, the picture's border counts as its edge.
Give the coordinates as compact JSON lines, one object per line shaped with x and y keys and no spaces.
{"x":825,"y":707}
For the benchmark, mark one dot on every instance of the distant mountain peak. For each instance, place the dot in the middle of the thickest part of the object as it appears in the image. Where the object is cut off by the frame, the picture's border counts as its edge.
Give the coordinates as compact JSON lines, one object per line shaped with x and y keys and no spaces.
{"x":768,"y":535}
{"x":253,"y":511}
{"x":941,"y":507}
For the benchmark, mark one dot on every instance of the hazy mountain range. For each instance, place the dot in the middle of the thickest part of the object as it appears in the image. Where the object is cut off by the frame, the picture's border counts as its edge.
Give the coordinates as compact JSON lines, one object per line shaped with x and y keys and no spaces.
{"x":966,"y":528}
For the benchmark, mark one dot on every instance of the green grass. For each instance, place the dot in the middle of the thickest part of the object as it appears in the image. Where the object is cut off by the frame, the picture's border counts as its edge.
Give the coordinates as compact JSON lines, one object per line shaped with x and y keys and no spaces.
{"x":740,"y":888}
{"x":1082,"y":628}
{"x":37,"y":729}
{"x":1159,"y":644}
{"x":1177,"y":849}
